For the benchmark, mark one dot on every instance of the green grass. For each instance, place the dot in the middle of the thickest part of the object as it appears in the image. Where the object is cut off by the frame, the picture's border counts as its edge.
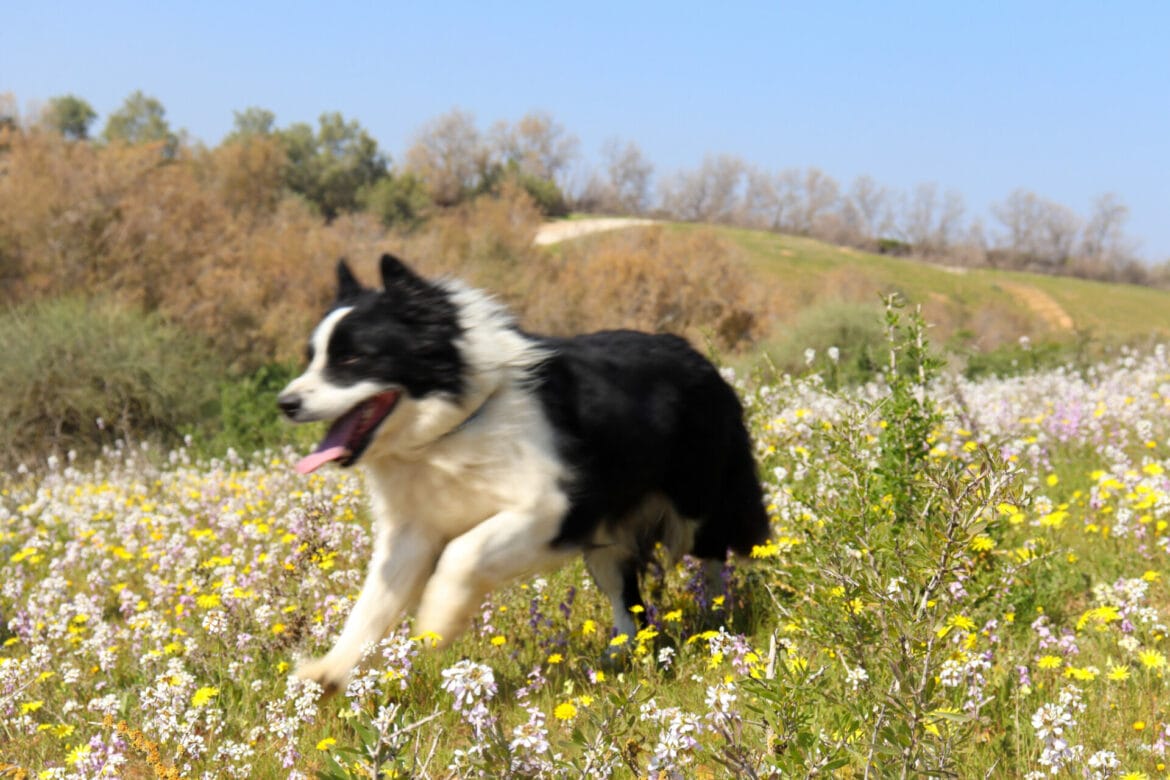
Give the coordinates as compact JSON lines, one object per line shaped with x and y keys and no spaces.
{"x":955,"y":301}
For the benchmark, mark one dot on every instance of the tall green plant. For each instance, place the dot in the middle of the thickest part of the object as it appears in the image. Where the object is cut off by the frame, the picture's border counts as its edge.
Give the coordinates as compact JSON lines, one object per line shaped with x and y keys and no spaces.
{"x":896,"y":560}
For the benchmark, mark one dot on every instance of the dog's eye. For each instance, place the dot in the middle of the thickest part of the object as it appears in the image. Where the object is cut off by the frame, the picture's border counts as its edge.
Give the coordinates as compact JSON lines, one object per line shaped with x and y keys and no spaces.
{"x":349,"y":360}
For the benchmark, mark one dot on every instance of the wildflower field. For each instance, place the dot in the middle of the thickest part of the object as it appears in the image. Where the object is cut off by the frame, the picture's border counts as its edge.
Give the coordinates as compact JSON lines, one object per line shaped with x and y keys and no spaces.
{"x":965,"y":578}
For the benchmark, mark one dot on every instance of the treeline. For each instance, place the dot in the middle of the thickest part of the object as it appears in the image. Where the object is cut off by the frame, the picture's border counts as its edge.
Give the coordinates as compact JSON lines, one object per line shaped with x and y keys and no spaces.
{"x":337,"y":167}
{"x":151,"y":286}
{"x":1030,"y":232}
{"x":236,"y":242}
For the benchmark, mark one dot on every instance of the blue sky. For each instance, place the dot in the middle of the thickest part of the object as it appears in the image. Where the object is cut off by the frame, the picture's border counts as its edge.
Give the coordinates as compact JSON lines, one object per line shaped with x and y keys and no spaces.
{"x":1068,"y":99}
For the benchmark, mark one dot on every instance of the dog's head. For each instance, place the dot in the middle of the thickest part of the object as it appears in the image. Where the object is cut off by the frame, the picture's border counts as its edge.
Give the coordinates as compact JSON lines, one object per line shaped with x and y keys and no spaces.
{"x":375,"y":354}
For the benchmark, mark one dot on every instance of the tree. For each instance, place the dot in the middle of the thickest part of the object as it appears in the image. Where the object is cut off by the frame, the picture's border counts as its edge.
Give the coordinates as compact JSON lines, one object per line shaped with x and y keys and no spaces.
{"x":871,"y":204}
{"x":449,"y":156}
{"x":70,"y":116}
{"x":250,"y":122}
{"x":1103,"y":240}
{"x":1039,"y":231}
{"x":628,"y":174}
{"x":709,"y":194}
{"x":932,"y":225}
{"x":333,"y":166}
{"x":624,"y":188}
{"x":140,"y":120}
{"x":397,"y":200}
{"x":538,"y":145}
{"x":820,"y":195}
{"x":9,"y":115}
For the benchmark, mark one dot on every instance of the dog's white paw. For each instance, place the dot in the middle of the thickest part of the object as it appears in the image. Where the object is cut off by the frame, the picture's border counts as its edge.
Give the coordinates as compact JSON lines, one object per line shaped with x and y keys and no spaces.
{"x":327,"y":675}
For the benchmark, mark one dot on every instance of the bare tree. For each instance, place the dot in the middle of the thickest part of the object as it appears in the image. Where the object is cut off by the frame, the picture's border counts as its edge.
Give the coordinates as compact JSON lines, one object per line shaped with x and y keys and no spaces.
{"x":628,"y":176}
{"x":918,"y":218}
{"x":1040,"y":232}
{"x":932,"y":225}
{"x":789,"y":185}
{"x":1019,"y":214}
{"x":539,"y":145}
{"x":1103,"y":239}
{"x":949,"y":224}
{"x":449,"y":156}
{"x":820,"y":195}
{"x":710,"y":194}
{"x":1060,"y":227}
{"x":871,"y":204}
{"x":760,"y":200}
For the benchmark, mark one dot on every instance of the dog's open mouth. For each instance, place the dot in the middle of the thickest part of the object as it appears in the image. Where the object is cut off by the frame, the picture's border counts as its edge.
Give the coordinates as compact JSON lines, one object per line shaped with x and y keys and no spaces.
{"x":350,"y":434}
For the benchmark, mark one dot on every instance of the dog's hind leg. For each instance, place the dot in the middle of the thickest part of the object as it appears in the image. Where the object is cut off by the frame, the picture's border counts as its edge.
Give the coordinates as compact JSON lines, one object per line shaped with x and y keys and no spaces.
{"x":403,"y":559}
{"x":615,"y":570}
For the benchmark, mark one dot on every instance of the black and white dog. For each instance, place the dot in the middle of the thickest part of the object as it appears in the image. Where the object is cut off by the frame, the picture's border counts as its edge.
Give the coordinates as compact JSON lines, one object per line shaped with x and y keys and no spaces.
{"x":491,"y":453}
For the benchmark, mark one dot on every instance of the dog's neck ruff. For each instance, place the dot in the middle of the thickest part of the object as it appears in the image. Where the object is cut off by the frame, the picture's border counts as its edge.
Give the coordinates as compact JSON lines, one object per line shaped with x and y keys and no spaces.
{"x":469,"y":419}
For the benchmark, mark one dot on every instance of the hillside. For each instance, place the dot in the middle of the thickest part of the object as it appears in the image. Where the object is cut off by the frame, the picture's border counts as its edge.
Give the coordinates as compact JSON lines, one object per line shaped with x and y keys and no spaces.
{"x":982,"y":307}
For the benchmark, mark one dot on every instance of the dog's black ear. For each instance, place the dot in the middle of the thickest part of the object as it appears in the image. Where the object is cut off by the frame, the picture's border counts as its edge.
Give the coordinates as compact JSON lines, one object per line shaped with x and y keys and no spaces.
{"x":395,"y":273}
{"x":347,"y":284}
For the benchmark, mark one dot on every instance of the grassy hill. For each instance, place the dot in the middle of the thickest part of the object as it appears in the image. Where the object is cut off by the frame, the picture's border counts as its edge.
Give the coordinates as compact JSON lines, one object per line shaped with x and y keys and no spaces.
{"x":972,"y":309}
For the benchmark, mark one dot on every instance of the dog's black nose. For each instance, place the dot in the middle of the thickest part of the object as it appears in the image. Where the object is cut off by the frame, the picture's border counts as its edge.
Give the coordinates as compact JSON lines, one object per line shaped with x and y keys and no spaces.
{"x":289,"y":403}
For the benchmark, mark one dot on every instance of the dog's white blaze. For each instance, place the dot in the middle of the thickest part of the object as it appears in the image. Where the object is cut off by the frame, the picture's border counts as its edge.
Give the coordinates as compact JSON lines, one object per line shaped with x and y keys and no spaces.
{"x":321,"y":399}
{"x":320,"y":338}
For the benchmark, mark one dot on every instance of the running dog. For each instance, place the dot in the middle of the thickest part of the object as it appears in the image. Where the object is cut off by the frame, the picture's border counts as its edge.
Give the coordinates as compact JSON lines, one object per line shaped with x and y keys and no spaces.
{"x":492,"y":454}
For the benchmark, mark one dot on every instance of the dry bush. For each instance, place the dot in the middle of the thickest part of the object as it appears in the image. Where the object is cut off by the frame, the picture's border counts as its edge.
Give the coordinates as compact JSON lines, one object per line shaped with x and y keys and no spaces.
{"x":206,"y":239}
{"x":650,"y":279}
{"x":210,"y":240}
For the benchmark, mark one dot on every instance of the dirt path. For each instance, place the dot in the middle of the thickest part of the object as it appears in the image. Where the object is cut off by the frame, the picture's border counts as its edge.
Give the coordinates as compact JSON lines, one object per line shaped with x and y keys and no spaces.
{"x":1041,"y":304}
{"x":556,"y":232}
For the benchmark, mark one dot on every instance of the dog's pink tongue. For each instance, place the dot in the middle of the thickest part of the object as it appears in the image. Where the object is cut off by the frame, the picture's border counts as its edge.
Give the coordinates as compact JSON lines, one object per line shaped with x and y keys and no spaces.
{"x":318,"y":458}
{"x":332,"y":447}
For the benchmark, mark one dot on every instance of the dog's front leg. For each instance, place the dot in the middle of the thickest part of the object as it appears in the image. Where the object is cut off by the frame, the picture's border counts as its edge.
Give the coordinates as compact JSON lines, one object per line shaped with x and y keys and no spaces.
{"x":403,"y":558}
{"x":502,"y":548}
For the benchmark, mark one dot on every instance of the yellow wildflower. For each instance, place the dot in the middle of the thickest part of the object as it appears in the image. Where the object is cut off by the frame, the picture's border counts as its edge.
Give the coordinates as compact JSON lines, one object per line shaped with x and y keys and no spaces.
{"x":203,"y":695}
{"x":1118,"y":673}
{"x":1152,"y":659}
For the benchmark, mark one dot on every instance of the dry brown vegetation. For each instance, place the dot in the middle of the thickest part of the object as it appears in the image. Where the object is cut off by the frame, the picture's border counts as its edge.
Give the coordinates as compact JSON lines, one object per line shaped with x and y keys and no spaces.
{"x":212,"y":241}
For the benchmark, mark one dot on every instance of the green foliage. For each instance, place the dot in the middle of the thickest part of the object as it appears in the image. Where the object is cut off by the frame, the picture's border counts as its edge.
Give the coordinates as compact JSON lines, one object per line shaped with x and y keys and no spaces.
{"x":247,"y":418}
{"x":70,"y":116}
{"x":332,"y":166}
{"x":1025,"y":356}
{"x":82,"y":374}
{"x":250,"y":122}
{"x":905,"y":445}
{"x":853,"y":330}
{"x":544,"y":192}
{"x":141,"y":120}
{"x":397,"y":200}
{"x":892,"y":246}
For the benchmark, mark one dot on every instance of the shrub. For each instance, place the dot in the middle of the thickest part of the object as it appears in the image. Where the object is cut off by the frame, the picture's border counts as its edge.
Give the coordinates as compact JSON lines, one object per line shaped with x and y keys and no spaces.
{"x":397,"y":200}
{"x":82,"y":374}
{"x":897,"y":540}
{"x":247,"y":418}
{"x":687,"y":282}
{"x":855,"y":330}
